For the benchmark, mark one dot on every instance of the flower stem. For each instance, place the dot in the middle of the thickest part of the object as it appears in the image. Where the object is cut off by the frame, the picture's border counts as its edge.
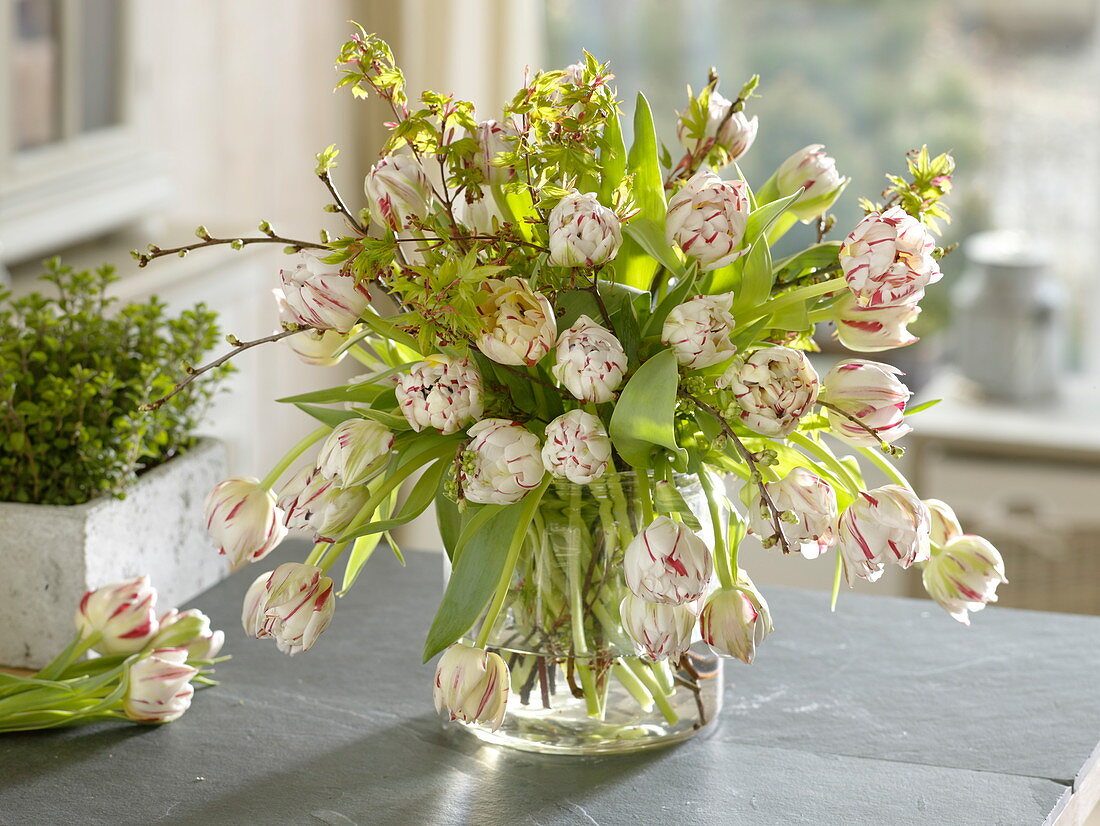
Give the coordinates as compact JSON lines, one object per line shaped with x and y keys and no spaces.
{"x":645,"y":494}
{"x":659,"y":696}
{"x":632,"y":684}
{"x":836,"y":580}
{"x":73,"y":651}
{"x":291,"y":455}
{"x":722,"y":565}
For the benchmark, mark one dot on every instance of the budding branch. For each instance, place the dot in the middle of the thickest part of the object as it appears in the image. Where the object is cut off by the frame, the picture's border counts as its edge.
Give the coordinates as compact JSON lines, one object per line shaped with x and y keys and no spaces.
{"x":746,"y":454}
{"x":143,"y":258}
{"x":885,"y":446}
{"x":238,"y":347}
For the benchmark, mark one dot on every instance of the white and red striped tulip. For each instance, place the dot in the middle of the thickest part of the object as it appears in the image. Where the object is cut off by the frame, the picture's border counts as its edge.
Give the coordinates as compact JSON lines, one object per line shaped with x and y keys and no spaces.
{"x":734,"y":621}
{"x":243,"y":519}
{"x":811,"y":499}
{"x":505,"y":463}
{"x":191,"y":630}
{"x":398,"y":190}
{"x":732,"y":133}
{"x":320,"y":296}
{"x":871,"y":393}
{"x":314,"y":347}
{"x":442,"y":392}
{"x":668,"y":563}
{"x":699,"y":330}
{"x":583,"y":232}
{"x":315,"y":503}
{"x":492,"y":139}
{"x":707,"y":219}
{"x":590,"y":361}
{"x":945,"y":524}
{"x":963,"y":575}
{"x":123,"y":614}
{"x":659,"y":631}
{"x":158,"y":686}
{"x":293,"y":605}
{"x":887,"y":524}
{"x":874,"y":329}
{"x":354,"y":451}
{"x":577,"y":447}
{"x":518,"y":323}
{"x":887,"y":259}
{"x":472,"y":685}
{"x":480,"y":215}
{"x":815,"y":173}
{"x":774,"y":387}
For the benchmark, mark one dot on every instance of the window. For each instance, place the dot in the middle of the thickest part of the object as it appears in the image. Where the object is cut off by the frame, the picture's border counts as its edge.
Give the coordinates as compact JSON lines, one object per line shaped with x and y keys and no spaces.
{"x":71,"y":161}
{"x":1007,"y":86}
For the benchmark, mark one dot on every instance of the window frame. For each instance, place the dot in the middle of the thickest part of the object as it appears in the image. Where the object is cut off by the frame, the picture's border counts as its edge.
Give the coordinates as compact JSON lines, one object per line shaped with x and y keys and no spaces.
{"x":84,"y":184}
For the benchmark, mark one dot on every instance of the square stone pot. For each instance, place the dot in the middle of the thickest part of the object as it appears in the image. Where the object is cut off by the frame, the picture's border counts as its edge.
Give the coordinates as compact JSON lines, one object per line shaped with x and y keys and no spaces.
{"x":51,"y":554}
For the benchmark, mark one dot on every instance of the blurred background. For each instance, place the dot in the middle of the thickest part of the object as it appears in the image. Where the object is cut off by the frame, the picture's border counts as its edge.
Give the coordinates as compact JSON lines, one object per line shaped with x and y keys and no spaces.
{"x":123,"y":123}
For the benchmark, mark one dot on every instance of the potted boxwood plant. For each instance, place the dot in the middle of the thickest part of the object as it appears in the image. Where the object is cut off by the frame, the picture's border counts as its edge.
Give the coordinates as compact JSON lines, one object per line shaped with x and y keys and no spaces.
{"x":92,"y":488}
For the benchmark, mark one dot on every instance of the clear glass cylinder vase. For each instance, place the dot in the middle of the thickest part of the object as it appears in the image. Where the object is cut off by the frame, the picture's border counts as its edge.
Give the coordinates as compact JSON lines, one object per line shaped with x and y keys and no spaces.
{"x":578,"y":684}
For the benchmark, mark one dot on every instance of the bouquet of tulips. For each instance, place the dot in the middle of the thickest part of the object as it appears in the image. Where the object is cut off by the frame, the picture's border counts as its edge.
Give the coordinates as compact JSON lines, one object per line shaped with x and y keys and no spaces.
{"x":145,"y":668}
{"x":558,"y":330}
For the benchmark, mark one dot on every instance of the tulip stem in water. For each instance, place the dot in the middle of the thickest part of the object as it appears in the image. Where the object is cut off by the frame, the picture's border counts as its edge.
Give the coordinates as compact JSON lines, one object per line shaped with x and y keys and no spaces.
{"x":292,"y":454}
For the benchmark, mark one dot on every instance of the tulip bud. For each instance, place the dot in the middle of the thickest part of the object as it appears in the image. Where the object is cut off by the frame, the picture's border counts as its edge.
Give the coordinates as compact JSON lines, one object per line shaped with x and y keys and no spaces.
{"x":577,"y":447}
{"x":189,"y":630}
{"x":472,"y":684}
{"x":707,"y":219}
{"x":441,"y":392}
{"x":492,"y":139}
{"x":519,"y":325}
{"x":873,"y":329}
{"x":583,"y":232}
{"x":590,"y":361}
{"x":313,"y":347}
{"x":963,"y":575}
{"x":871,"y":393}
{"x":887,"y":524}
{"x":659,"y":631}
{"x":243,"y":519}
{"x":945,"y":525}
{"x":122,"y":613}
{"x":811,"y":500}
{"x":293,"y":605}
{"x":158,"y":687}
{"x":731,"y":133}
{"x":397,"y":190}
{"x":320,"y":296}
{"x":507,"y":463}
{"x":481,"y":216}
{"x":815,"y":173}
{"x":667,"y":563}
{"x":315,"y":503}
{"x":354,"y":451}
{"x":887,"y":259}
{"x":734,"y":621}
{"x":774,"y":387}
{"x":698,"y":331}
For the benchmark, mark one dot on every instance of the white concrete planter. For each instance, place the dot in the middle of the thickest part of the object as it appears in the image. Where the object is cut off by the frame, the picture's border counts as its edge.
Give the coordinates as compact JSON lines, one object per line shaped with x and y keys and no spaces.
{"x":51,"y":554}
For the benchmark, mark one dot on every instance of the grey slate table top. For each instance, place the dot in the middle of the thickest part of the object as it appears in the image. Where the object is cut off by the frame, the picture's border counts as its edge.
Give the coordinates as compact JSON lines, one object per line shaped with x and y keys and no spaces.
{"x":886,"y":713}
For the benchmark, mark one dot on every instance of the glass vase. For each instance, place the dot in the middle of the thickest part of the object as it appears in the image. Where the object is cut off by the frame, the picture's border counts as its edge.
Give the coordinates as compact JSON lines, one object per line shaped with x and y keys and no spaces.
{"x":578,"y":684}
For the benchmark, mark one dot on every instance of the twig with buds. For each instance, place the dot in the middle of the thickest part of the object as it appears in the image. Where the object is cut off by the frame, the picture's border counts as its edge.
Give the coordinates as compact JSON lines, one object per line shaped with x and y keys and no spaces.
{"x":339,"y":204}
{"x":884,"y":446}
{"x":238,"y":347}
{"x":754,"y":470}
{"x":269,"y":237}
